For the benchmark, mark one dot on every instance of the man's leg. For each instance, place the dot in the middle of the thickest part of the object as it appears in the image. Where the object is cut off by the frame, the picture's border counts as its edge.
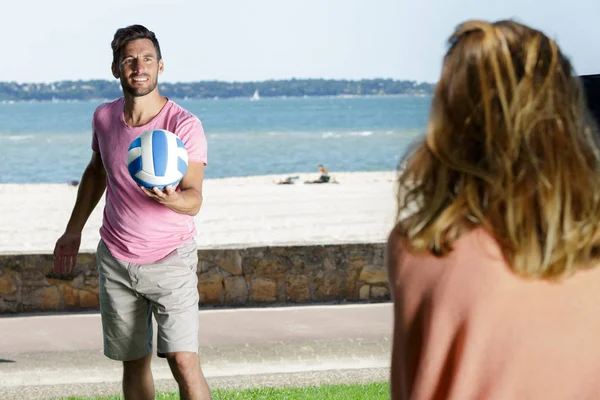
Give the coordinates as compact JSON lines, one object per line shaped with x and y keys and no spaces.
{"x":137,"y":379}
{"x":171,"y":284}
{"x":186,"y":369}
{"x":126,"y":324}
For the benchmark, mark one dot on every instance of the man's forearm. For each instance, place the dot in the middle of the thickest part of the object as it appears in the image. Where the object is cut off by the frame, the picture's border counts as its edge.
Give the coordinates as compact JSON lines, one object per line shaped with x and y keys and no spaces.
{"x":189,"y":202}
{"x":91,"y":189}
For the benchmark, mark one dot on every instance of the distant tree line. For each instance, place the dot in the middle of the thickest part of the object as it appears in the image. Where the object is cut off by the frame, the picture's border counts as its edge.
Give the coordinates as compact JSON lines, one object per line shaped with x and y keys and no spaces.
{"x":103,"y":89}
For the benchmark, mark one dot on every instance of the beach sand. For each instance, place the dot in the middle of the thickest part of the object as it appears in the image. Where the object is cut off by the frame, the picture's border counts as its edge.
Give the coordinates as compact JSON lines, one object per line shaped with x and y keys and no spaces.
{"x":237,"y":212}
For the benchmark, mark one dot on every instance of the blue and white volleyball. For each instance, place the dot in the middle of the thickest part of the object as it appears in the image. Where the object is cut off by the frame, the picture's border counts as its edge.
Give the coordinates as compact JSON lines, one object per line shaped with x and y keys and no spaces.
{"x":157,"y":158}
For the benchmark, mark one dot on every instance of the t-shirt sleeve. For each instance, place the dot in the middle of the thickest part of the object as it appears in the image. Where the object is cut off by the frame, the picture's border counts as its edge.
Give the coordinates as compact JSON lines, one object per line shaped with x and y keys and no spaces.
{"x":95,"y":145}
{"x":192,"y":136}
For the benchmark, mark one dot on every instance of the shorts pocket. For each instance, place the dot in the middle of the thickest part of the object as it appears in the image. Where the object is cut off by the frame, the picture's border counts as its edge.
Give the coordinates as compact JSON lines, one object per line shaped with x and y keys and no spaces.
{"x":188,"y":254}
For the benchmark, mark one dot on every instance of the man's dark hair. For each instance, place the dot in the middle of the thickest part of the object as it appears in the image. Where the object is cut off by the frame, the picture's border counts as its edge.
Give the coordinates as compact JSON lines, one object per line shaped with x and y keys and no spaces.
{"x":126,"y":35}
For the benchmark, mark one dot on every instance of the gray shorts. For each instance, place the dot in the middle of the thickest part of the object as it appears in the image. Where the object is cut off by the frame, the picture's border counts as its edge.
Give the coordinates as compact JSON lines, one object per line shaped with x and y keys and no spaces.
{"x":130,"y":293}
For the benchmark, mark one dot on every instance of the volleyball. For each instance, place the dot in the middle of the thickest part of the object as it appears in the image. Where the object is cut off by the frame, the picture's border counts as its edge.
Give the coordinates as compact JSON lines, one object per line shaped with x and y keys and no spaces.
{"x":157,"y":158}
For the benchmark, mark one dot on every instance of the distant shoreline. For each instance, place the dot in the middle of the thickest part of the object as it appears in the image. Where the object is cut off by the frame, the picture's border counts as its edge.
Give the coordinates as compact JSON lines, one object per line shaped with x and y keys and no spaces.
{"x":101,"y":89}
{"x":365,"y":96}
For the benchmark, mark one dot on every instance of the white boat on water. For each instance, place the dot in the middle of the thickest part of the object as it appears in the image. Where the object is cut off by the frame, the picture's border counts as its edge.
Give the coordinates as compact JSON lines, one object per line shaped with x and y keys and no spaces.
{"x":255,"y":96}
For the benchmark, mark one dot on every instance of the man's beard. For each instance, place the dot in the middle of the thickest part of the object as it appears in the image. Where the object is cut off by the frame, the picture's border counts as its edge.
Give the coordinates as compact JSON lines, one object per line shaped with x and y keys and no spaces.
{"x":138,"y":92}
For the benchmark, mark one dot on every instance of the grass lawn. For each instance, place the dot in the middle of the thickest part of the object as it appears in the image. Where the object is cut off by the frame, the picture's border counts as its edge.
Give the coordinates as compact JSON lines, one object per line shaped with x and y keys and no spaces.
{"x":373,"y":391}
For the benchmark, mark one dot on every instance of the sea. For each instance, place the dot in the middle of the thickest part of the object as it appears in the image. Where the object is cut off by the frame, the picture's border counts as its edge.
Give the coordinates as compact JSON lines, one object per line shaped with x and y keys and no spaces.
{"x":49,"y":142}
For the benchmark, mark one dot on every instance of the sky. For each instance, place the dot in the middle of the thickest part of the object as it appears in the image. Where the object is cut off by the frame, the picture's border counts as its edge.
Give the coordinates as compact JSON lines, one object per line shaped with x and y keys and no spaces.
{"x":250,"y":40}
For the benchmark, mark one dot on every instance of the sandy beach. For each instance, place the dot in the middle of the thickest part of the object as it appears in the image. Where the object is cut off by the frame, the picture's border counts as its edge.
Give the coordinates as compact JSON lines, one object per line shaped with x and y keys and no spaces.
{"x":237,"y":212}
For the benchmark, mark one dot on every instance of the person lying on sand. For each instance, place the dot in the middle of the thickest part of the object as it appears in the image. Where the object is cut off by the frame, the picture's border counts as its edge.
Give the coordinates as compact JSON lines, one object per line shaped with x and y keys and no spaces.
{"x":287,"y":181}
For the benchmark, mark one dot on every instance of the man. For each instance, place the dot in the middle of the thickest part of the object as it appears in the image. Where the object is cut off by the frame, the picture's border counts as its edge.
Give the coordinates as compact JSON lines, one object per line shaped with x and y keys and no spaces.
{"x":147,"y":256}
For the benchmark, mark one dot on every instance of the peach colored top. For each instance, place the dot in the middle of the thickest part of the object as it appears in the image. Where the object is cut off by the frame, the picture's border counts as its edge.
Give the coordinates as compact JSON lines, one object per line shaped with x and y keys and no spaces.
{"x":468,"y":328}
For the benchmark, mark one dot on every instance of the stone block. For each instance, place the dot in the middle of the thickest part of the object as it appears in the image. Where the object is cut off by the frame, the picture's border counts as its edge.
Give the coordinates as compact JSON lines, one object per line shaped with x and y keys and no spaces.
{"x":33,"y":277}
{"x":328,"y":286}
{"x":210,"y":287}
{"x":206,"y":265}
{"x":373,"y":274}
{"x":91,"y":282}
{"x":9,"y":282}
{"x":264,"y":290}
{"x":357,"y":262}
{"x":78,"y":282}
{"x":88,"y":300}
{"x":11,"y":261}
{"x":86,"y":259}
{"x":236,"y":290}
{"x":9,"y":306}
{"x":42,"y":299}
{"x":70,"y":297}
{"x":328,"y":264}
{"x":380,"y":293}
{"x":364,"y":292}
{"x":230,"y":261}
{"x":297,"y":288}
{"x":269,"y":268}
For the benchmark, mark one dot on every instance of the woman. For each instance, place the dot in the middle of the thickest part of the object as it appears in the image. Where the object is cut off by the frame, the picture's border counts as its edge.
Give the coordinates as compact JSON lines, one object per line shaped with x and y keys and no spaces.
{"x":323,"y":177}
{"x":492,"y":264}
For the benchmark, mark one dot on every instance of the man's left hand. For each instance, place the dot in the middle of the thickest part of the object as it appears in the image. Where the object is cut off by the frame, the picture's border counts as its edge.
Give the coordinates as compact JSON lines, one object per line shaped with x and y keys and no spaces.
{"x":167,"y":196}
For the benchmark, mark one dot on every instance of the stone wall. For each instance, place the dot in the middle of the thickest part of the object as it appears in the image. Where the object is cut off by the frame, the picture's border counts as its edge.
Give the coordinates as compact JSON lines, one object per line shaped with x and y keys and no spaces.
{"x":228,"y":277}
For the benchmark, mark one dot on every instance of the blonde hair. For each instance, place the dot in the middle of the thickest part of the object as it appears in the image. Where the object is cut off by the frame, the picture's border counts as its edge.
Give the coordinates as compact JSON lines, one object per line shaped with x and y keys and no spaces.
{"x":510,"y":147}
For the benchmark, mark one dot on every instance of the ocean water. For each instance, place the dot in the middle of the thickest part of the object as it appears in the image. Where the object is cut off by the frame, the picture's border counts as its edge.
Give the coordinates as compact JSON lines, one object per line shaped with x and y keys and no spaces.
{"x":50,"y":142}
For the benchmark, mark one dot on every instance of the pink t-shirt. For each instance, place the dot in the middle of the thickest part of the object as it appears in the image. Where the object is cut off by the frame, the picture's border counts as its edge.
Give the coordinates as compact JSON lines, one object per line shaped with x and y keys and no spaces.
{"x":135,"y":228}
{"x":469,"y":328}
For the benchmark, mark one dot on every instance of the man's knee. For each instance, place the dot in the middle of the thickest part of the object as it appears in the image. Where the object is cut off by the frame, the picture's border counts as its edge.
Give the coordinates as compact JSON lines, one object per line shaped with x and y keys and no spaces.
{"x":183,"y":361}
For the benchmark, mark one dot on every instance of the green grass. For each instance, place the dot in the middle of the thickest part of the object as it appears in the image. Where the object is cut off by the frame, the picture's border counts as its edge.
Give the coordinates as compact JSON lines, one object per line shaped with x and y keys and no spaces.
{"x":373,"y":391}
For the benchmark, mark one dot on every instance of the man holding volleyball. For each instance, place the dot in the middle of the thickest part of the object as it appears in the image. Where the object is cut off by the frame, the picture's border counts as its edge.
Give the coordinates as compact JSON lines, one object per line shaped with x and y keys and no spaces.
{"x":147,"y":256}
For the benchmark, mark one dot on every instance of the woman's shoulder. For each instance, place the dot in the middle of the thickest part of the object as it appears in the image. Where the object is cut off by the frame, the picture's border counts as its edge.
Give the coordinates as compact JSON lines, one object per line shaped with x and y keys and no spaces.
{"x":476,"y":246}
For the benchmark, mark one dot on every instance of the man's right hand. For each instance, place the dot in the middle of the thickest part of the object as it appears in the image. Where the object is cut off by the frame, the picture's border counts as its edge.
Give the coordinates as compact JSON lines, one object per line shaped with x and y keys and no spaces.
{"x":65,"y":252}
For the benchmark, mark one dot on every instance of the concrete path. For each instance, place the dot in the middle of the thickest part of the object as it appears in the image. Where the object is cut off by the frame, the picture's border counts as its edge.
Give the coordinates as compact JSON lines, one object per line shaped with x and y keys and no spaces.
{"x":45,"y":357}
